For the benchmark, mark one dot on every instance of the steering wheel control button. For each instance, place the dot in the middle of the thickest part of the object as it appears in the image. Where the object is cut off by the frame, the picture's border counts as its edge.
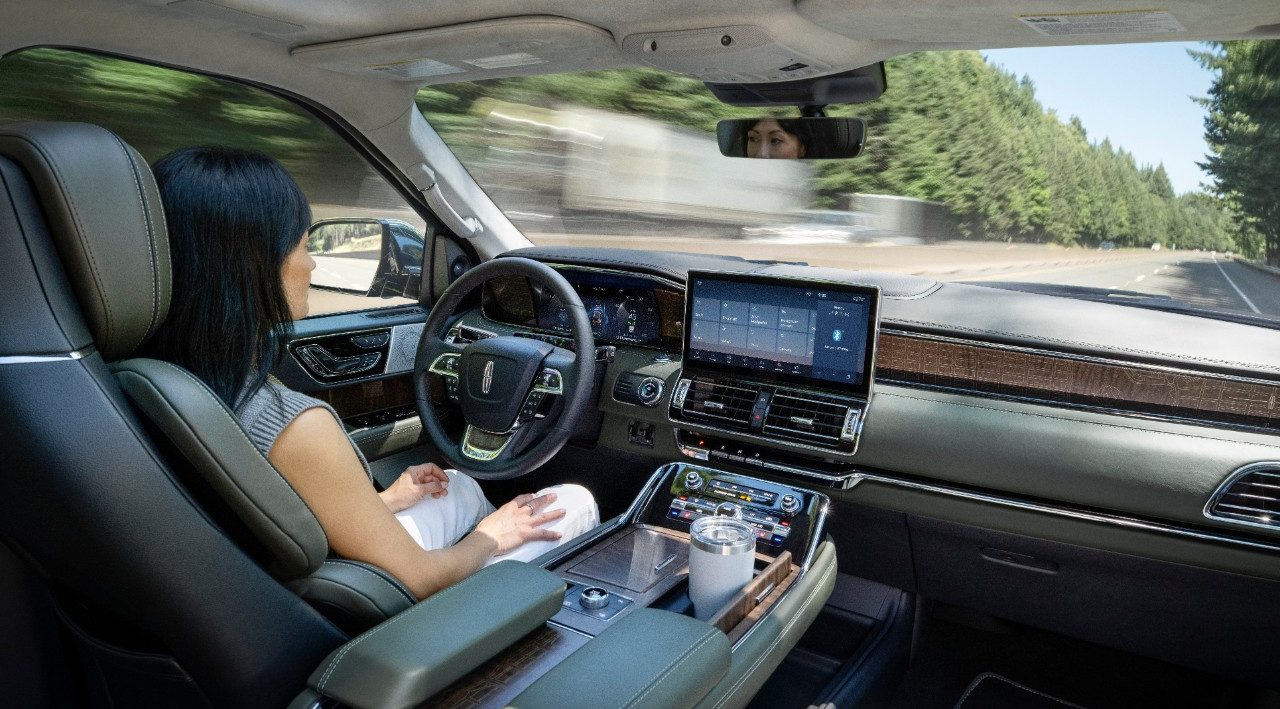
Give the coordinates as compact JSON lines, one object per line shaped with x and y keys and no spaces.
{"x":790,"y":504}
{"x":693,"y":481}
{"x":649,"y":391}
{"x":594,"y":598}
{"x":531,"y":403}
{"x":550,"y":382}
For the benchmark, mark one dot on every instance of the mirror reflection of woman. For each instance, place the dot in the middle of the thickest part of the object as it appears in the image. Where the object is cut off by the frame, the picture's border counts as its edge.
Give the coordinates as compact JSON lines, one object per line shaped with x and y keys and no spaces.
{"x":241,"y":275}
{"x":776,"y":139}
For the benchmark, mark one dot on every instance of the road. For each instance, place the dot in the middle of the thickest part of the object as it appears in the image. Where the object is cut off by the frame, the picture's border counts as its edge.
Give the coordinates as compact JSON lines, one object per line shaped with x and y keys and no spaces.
{"x":1203,"y":279}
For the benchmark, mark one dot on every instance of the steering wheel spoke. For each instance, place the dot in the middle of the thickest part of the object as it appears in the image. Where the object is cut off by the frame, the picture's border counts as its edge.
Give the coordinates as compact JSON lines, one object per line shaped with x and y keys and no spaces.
{"x":485,"y":446}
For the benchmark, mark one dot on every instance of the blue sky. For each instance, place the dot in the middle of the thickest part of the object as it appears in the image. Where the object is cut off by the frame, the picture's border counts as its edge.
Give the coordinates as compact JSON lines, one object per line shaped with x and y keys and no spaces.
{"x":1135,"y":94}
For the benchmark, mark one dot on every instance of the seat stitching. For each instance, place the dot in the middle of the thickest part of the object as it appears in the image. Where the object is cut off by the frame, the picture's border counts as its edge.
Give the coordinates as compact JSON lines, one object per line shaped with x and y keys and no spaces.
{"x":324,"y":679}
{"x":151,"y":245}
{"x":236,"y":426}
{"x":751,"y":670}
{"x":634,"y":700}
{"x":75,"y":217}
{"x":366,"y":567}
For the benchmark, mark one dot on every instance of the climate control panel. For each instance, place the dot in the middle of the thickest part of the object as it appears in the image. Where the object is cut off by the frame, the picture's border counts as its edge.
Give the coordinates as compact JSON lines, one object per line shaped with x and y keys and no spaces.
{"x":781,"y":515}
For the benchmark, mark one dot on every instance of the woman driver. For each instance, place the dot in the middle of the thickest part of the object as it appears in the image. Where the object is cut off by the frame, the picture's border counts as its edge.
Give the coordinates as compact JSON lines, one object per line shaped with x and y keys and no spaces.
{"x":241,"y":273}
{"x":785,"y":138}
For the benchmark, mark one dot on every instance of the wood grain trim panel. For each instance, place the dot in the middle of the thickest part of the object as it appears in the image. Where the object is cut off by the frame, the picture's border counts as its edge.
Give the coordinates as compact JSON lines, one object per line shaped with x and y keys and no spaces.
{"x":367,"y":397}
{"x":909,"y":359}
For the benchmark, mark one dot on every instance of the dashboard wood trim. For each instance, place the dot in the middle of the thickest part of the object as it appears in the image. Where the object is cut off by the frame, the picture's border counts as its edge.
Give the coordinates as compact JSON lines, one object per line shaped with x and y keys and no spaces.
{"x":1058,"y":378}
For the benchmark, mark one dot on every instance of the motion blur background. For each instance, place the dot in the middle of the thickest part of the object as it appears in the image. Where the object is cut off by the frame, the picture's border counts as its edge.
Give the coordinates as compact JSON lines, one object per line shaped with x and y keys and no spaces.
{"x":966,"y":174}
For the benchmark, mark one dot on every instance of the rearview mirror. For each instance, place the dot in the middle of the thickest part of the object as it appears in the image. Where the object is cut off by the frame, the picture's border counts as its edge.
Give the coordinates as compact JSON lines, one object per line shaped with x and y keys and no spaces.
{"x":791,"y":138}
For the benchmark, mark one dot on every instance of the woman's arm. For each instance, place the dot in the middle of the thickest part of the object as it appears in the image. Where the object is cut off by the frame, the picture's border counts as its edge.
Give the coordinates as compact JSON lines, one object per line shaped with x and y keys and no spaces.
{"x":315,"y":456}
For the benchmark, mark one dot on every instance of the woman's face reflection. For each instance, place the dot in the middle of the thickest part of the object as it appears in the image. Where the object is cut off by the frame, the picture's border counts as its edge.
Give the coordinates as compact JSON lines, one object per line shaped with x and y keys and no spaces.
{"x":767,"y":139}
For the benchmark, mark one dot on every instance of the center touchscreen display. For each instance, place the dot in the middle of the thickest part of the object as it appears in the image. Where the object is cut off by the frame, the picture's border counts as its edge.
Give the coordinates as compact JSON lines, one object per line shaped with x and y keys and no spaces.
{"x":786,"y":329}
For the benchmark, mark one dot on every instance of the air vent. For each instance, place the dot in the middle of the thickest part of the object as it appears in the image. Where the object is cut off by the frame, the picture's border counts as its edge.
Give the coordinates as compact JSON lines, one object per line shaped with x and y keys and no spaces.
{"x":721,"y":402}
{"x":405,"y":312}
{"x":1250,"y":496}
{"x":805,"y":417}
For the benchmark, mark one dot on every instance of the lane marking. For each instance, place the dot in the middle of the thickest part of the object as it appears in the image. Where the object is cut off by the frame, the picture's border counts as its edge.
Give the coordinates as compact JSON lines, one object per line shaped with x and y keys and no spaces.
{"x":1235,"y":287}
{"x":1139,"y":278}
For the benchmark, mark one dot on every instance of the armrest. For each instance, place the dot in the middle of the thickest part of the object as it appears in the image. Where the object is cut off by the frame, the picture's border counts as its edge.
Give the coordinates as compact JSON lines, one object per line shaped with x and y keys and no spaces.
{"x":405,"y":660}
{"x":354,"y":595}
{"x":651,"y":658}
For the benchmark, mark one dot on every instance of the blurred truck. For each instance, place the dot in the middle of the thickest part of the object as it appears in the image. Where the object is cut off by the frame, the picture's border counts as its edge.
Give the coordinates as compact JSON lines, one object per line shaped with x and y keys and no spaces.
{"x":603,"y":172}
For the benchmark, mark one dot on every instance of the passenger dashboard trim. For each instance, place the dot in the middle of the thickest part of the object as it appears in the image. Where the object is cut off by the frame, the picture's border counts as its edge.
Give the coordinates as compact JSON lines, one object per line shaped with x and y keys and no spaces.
{"x":1097,"y":517}
{"x":1064,"y":379}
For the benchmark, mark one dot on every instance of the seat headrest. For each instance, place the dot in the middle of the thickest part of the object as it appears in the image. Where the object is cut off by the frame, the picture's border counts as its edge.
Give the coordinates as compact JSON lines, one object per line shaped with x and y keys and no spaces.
{"x":105,"y":218}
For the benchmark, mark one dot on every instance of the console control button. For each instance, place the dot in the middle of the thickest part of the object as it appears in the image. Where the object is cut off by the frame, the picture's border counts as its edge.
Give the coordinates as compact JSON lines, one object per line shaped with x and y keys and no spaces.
{"x":728,"y":509}
{"x":649,"y":391}
{"x":790,"y":504}
{"x":594,"y":598}
{"x":693,"y":481}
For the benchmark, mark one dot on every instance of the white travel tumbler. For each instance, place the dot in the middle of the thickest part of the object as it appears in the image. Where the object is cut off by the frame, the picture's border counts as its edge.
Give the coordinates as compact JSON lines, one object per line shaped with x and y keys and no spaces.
{"x":721,"y":561}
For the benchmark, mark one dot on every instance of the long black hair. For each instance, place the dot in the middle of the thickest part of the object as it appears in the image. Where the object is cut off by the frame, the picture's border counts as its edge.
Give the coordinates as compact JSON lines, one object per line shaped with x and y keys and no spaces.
{"x":233,"y":218}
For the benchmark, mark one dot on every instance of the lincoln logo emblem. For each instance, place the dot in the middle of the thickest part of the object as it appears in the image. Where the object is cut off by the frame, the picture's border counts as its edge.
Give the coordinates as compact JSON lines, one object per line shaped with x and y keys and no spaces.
{"x":486,"y":383}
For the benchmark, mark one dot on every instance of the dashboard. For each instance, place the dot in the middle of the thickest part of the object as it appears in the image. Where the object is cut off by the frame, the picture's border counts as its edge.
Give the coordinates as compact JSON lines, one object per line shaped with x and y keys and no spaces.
{"x":623,"y":308}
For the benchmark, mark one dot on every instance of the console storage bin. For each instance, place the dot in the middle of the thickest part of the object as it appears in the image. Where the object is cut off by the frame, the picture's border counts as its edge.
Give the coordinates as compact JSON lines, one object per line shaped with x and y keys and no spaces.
{"x":405,"y":660}
{"x":651,"y":658}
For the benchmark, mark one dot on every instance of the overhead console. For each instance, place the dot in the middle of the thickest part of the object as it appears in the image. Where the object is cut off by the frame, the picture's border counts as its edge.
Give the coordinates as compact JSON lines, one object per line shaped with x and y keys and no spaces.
{"x":780,"y":361}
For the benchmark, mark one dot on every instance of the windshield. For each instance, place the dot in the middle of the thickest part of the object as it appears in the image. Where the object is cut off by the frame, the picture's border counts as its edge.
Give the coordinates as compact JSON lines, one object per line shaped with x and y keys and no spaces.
{"x":1141,"y":174}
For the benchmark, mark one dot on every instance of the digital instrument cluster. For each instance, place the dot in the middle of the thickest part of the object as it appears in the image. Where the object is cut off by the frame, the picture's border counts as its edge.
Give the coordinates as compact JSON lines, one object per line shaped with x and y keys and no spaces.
{"x":622,"y":309}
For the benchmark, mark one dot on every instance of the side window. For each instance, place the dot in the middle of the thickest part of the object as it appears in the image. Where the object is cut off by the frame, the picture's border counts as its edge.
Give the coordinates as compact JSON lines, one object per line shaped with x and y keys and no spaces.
{"x":159,"y":110}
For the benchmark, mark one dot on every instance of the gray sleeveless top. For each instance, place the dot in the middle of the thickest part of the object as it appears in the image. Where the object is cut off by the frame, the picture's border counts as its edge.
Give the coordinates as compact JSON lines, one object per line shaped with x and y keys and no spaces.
{"x":272,"y":408}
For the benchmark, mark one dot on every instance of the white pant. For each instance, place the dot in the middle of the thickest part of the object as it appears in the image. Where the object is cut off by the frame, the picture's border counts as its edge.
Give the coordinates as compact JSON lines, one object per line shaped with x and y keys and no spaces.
{"x":436,"y":523}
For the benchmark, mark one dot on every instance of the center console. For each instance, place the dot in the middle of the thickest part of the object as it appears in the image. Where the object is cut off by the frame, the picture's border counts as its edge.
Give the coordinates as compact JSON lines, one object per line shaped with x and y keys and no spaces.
{"x":645,"y":563}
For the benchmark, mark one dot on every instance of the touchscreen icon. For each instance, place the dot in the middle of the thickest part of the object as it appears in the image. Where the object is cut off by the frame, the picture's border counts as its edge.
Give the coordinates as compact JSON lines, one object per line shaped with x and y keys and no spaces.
{"x":836,"y":335}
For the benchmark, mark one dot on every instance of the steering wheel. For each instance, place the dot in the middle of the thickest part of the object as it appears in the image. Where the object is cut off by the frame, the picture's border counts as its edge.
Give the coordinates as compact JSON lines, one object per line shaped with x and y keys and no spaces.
{"x":502,"y":382}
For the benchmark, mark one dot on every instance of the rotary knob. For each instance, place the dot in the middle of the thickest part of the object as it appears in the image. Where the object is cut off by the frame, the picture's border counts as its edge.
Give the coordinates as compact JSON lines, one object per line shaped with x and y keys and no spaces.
{"x":790,"y":504}
{"x":693,"y":481}
{"x":728,"y":509}
{"x":594,"y":598}
{"x":649,"y":390}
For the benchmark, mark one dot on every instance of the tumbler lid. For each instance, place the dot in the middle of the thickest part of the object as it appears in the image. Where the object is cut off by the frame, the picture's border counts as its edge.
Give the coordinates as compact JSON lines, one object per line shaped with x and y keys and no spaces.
{"x":722,"y":535}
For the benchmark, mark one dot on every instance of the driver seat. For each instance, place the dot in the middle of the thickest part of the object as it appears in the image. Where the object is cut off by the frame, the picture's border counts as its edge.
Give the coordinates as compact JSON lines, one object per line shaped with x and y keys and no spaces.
{"x":166,"y":522}
{"x":249,"y":498}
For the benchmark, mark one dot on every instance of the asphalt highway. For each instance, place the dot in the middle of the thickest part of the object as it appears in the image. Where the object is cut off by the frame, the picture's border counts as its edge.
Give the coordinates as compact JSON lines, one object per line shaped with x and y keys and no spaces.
{"x":1200,"y":279}
{"x":1203,"y":280}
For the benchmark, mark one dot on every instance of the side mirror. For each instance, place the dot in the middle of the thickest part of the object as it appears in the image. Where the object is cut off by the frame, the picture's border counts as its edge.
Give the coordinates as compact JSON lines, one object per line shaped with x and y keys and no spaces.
{"x":791,"y":138}
{"x":379,"y":258}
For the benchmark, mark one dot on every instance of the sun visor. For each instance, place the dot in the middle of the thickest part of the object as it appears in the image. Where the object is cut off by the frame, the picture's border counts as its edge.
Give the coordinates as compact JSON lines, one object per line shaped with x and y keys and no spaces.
{"x":510,"y":46}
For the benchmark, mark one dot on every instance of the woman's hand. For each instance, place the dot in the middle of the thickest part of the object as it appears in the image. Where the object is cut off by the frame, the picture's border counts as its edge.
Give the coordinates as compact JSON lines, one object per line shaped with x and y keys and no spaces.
{"x":519,"y":521}
{"x":415,"y":483}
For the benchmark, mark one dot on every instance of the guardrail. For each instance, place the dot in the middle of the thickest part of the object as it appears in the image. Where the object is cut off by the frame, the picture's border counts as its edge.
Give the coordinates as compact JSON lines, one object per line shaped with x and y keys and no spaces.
{"x":1259,"y":266}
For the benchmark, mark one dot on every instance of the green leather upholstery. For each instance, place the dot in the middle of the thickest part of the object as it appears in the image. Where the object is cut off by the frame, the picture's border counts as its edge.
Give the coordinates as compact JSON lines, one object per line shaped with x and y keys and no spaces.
{"x":354,"y":595}
{"x":105,"y":218}
{"x":422,"y":650}
{"x":651,"y":658}
{"x":761,"y":650}
{"x":211,"y":439}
